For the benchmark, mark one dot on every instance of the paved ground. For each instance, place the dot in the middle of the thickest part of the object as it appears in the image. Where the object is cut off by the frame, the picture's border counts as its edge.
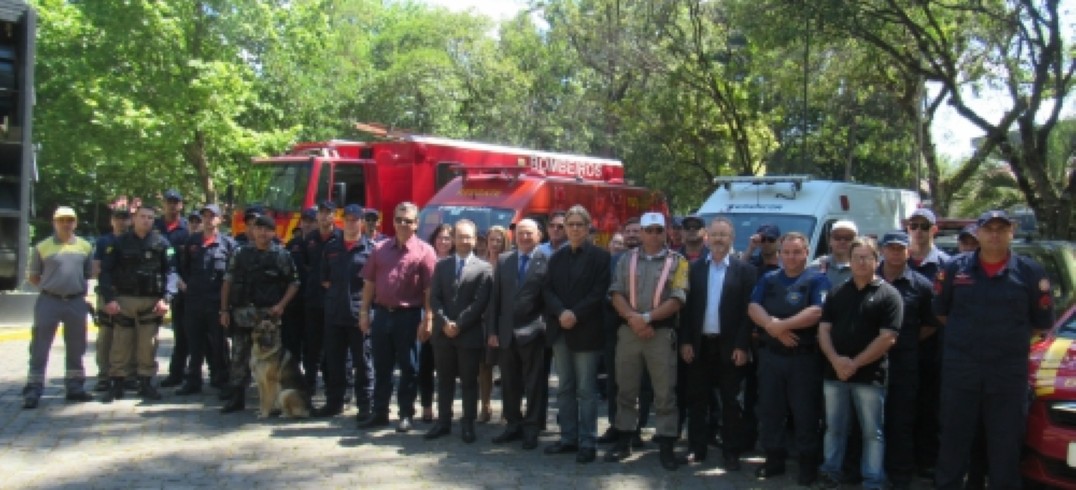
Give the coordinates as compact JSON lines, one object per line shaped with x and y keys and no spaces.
{"x":184,"y":442}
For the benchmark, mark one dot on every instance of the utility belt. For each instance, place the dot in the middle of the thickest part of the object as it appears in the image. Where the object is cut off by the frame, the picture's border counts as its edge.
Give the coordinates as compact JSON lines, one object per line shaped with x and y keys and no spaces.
{"x":776,"y":347}
{"x":142,"y":316}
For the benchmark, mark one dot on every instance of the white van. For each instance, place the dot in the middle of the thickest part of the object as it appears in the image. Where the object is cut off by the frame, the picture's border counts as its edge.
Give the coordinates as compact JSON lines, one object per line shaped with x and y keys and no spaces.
{"x":799,"y":203}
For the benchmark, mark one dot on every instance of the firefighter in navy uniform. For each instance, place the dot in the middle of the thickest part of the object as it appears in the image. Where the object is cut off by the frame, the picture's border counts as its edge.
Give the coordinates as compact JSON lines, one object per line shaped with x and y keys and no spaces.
{"x":991,"y":302}
{"x":172,"y":226}
{"x":314,"y":295}
{"x":138,"y":280}
{"x":342,"y":261}
{"x":261,"y":280}
{"x":294,"y":316}
{"x":203,"y":262}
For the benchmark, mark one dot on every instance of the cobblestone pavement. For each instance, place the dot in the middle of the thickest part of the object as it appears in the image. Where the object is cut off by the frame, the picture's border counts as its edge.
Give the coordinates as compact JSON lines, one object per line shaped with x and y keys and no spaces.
{"x":184,"y":442}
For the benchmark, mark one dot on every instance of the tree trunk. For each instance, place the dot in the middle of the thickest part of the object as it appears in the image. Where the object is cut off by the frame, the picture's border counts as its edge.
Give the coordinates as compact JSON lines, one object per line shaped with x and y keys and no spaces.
{"x":196,"y":158}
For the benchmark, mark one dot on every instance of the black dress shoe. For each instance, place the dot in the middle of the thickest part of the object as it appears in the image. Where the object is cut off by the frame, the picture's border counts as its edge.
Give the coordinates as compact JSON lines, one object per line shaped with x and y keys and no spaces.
{"x":405,"y":425}
{"x":439,"y":429}
{"x":508,"y":435}
{"x":101,"y":386}
{"x":561,"y":448}
{"x":328,"y":410}
{"x":530,"y":442}
{"x":188,"y":389}
{"x":171,"y":381}
{"x":30,"y":402}
{"x":375,"y":422}
{"x":732,"y":462}
{"x":586,"y":455}
{"x":226,"y":393}
{"x":609,"y":436}
{"x":763,"y":472}
{"x":637,"y":441}
{"x":467,"y":431}
{"x":619,"y":452}
{"x":79,"y":396}
{"x":694,"y":457}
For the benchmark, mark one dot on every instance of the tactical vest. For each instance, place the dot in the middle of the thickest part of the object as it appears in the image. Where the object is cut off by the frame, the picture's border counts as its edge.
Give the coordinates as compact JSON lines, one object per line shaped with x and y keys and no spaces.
{"x":783,"y":301}
{"x":138,"y":271}
{"x":259,"y":279}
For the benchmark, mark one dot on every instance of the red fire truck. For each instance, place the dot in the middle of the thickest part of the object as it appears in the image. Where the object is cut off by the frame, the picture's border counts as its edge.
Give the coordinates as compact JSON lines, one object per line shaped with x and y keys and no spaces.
{"x":402,"y":167}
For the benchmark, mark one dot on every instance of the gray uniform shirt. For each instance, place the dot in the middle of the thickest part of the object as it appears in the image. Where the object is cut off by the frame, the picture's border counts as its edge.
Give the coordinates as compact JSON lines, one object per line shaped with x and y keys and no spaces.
{"x":63,"y":268}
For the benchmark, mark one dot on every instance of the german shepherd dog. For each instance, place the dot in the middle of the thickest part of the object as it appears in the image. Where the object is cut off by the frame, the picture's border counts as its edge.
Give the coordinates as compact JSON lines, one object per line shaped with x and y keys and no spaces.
{"x":280,"y":385}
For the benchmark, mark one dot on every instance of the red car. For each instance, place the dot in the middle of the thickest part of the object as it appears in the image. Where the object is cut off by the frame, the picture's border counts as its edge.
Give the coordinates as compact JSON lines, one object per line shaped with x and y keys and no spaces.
{"x":1050,"y":456}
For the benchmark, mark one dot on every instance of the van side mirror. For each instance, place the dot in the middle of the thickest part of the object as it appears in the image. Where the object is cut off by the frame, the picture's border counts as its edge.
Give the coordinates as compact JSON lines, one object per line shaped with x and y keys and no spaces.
{"x":340,"y":194}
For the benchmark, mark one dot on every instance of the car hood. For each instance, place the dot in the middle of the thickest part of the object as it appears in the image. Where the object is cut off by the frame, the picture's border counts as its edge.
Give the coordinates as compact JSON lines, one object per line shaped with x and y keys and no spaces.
{"x":1052,"y":368}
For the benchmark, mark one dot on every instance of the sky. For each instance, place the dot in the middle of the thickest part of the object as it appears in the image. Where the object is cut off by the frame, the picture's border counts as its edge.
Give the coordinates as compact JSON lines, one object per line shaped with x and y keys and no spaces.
{"x":952,"y":133}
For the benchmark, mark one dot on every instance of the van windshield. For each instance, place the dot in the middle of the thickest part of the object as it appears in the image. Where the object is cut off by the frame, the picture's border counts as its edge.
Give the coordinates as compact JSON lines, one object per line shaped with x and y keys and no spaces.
{"x":285,"y":185}
{"x":484,"y":217}
{"x":746,"y":224}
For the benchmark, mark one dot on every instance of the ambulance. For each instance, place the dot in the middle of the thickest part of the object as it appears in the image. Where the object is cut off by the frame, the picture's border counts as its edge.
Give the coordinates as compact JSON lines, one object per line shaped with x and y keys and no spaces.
{"x":528,"y":191}
{"x":801,"y":203}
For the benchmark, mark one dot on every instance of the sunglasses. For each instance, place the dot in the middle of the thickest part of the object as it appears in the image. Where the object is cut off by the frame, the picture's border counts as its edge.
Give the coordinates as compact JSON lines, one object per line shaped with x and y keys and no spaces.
{"x":654,"y":230}
{"x":920,"y":226}
{"x":768,"y":239}
{"x":404,"y":221}
{"x":842,"y":238}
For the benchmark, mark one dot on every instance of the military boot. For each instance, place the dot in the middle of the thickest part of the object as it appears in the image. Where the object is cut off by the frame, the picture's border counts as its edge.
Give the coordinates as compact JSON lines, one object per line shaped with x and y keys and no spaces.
{"x":237,"y":402}
{"x":146,"y":390}
{"x":115,"y":390}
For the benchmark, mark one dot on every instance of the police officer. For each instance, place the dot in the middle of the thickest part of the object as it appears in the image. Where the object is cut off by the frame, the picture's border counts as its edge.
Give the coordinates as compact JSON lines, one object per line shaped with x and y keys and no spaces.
{"x":787,"y":304}
{"x":991,"y":301}
{"x":60,"y":265}
{"x":294,"y":316}
{"x":176,"y":230}
{"x":249,"y":213}
{"x":203,"y":262}
{"x":121,"y":222}
{"x":261,"y":280}
{"x":341,"y":275}
{"x":194,"y":222}
{"x":138,"y":281}
{"x":373,"y":225}
{"x":314,"y":295}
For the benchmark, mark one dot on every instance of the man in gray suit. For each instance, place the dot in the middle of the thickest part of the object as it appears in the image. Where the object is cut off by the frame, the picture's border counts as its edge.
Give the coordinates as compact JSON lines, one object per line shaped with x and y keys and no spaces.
{"x":459,"y":297}
{"x":515,"y":325}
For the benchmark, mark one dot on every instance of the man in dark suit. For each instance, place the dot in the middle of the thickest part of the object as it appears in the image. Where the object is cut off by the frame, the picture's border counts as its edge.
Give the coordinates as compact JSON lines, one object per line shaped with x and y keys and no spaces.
{"x":715,"y":338}
{"x":459,"y":296}
{"x":516,"y":326}
{"x":575,"y":290}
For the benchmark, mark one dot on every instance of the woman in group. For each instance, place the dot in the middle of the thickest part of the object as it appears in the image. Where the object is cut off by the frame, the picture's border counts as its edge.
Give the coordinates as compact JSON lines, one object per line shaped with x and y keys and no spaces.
{"x":496,"y":244}
{"x":441,"y":241}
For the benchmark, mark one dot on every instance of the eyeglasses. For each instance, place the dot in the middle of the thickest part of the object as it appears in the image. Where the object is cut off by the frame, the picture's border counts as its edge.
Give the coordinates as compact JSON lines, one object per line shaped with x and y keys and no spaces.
{"x":576,"y":224}
{"x":557,"y":226}
{"x":768,"y":239}
{"x":400,"y":220}
{"x":920,"y":226}
{"x":654,"y":230}
{"x":842,"y":238}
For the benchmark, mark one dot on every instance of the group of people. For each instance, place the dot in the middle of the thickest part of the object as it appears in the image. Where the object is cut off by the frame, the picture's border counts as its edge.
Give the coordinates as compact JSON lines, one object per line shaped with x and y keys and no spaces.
{"x":742,"y":348}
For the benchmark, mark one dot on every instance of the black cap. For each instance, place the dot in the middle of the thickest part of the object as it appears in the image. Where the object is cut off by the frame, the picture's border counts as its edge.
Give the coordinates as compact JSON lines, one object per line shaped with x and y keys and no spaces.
{"x":121,"y":213}
{"x":995,"y":214}
{"x":310,"y":213}
{"x":693,"y":218}
{"x":194,"y":217}
{"x":172,"y":195}
{"x":327,"y":204}
{"x":769,"y":231}
{"x":213,"y":208}
{"x":264,"y":221}
{"x":677,"y":222}
{"x":371,"y":213}
{"x":897,"y":237}
{"x":253,"y":211}
{"x":353,"y":210}
{"x":969,"y":230}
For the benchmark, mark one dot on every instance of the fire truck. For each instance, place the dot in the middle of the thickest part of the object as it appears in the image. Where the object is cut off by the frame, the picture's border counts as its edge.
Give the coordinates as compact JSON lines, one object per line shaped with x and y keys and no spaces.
{"x":399,"y":167}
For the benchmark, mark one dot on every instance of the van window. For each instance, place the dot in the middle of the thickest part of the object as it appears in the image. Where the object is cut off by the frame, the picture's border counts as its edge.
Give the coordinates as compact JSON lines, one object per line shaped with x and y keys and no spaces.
{"x":747,"y":223}
{"x":483,"y":217}
{"x":355,"y":177}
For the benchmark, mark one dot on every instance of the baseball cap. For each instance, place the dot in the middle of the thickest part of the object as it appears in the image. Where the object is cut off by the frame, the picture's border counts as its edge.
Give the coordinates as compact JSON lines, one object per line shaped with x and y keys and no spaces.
{"x":194,"y":217}
{"x":353,"y":210}
{"x":265,"y":222}
{"x":844,"y":224}
{"x":994,"y":214}
{"x":896,"y":237}
{"x":253,"y":210}
{"x":64,"y":212}
{"x":121,"y":213}
{"x":969,"y":230}
{"x":652,"y":219}
{"x":925,"y":214}
{"x":213,"y":208}
{"x":677,"y":222}
{"x":769,"y":231}
{"x":172,"y":195}
{"x":310,"y":213}
{"x":370,"y":213}
{"x":327,"y":204}
{"x":693,"y":218}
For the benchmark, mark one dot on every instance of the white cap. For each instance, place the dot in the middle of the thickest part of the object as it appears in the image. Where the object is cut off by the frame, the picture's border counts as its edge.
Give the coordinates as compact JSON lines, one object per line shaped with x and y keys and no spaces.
{"x":844,"y":225}
{"x":64,"y":212}
{"x":652,"y":219}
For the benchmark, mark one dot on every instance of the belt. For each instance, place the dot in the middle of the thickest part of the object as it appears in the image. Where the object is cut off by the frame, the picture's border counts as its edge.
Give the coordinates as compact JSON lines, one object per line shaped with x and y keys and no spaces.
{"x":64,"y":297}
{"x":394,"y":309}
{"x":789,"y":351}
{"x":711,"y":336}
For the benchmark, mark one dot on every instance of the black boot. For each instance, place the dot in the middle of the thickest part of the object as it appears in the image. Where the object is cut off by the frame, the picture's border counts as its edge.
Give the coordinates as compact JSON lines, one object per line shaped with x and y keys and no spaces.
{"x":237,"y":402}
{"x":666,"y":453}
{"x":146,"y":390}
{"x":115,"y":390}
{"x":621,"y":448}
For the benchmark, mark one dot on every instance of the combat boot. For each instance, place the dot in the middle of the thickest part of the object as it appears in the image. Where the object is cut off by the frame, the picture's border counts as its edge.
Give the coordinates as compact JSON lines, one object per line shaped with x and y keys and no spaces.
{"x":621,"y":449}
{"x":666,"y":454}
{"x":115,"y":390}
{"x":146,"y":390}
{"x":237,"y":402}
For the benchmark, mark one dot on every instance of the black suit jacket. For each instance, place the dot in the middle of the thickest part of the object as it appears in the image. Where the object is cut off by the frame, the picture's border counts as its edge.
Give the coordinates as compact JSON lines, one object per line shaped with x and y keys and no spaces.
{"x":577,"y":281}
{"x":736,"y":326}
{"x":463,"y":302}
{"x":514,"y":305}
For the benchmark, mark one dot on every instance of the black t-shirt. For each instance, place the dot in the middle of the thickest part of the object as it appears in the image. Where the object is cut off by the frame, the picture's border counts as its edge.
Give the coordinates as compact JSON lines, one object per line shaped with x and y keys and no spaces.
{"x":857,"y":317}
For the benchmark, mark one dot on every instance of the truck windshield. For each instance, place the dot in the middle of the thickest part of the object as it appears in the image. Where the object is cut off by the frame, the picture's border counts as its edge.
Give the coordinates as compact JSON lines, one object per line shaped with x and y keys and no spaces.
{"x":746,"y":224}
{"x":286,"y":185}
{"x":484,"y":217}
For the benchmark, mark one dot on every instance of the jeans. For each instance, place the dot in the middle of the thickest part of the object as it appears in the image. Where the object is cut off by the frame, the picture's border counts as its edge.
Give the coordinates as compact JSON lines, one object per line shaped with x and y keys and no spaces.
{"x":394,"y":344}
{"x":577,"y":394}
{"x":868,"y":401}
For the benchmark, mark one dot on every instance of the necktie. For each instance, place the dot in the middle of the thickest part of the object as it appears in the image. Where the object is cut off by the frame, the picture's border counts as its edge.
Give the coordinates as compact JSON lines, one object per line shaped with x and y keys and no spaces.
{"x":459,"y":268}
{"x":523,"y":266}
